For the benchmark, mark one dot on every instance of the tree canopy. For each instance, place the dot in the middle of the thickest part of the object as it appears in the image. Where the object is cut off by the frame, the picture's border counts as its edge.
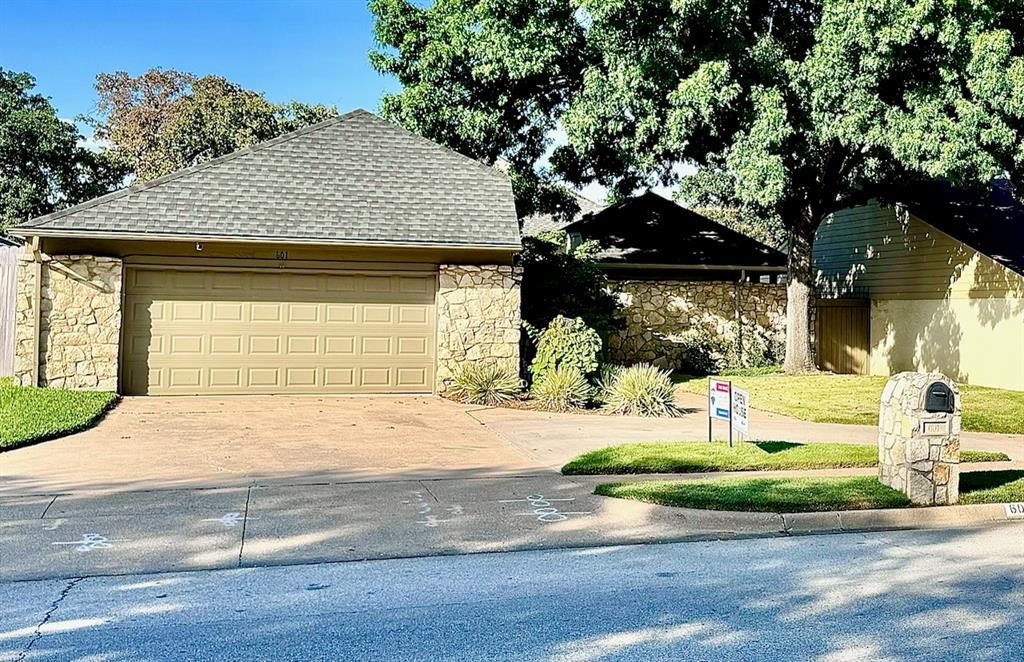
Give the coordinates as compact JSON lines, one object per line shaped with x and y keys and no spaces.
{"x":42,"y":165}
{"x":165,"y":120}
{"x":789,"y":109}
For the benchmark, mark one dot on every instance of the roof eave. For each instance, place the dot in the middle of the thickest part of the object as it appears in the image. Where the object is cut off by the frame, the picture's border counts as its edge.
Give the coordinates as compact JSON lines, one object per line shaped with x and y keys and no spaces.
{"x":689,"y":267}
{"x":129,"y":236}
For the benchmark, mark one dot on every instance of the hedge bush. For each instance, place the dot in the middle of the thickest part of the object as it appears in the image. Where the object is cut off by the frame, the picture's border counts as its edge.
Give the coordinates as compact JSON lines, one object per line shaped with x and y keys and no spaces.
{"x":566,"y":342}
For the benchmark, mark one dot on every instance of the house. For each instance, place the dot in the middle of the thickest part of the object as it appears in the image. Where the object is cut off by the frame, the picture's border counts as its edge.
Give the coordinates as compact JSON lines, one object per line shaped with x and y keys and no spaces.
{"x":932,"y":282}
{"x":676,"y":271}
{"x":347,"y":257}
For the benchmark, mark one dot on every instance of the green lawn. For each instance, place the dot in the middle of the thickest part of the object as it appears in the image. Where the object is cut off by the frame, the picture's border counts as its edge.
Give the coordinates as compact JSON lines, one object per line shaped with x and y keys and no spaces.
{"x":828,"y":398}
{"x":769,"y":495}
{"x":700,"y":456}
{"x":992,"y":486}
{"x":798,"y":495}
{"x":28,"y":415}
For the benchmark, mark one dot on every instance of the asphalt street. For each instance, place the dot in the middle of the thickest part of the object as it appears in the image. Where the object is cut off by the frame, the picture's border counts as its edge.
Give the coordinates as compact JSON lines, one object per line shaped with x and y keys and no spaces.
{"x":938,"y":594}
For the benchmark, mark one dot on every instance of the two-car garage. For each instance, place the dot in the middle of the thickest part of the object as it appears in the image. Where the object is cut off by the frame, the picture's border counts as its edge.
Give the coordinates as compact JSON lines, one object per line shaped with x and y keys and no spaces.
{"x":351,"y":256}
{"x":230,"y":331}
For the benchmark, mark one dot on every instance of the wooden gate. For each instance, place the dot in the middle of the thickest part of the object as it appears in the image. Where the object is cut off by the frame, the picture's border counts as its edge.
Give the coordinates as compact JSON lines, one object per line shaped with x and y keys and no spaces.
{"x":842,"y":335}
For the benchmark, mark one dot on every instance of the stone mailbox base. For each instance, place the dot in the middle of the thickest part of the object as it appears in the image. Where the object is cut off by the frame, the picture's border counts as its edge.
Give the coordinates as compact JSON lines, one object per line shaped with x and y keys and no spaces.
{"x":919,"y":450}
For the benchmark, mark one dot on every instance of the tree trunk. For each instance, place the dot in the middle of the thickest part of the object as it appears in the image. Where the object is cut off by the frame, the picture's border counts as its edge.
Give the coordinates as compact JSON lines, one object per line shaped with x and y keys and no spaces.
{"x":799,"y":299}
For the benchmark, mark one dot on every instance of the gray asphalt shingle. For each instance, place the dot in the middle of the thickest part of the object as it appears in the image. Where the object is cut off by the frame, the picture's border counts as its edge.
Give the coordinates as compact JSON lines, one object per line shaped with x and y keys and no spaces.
{"x":354,"y":179}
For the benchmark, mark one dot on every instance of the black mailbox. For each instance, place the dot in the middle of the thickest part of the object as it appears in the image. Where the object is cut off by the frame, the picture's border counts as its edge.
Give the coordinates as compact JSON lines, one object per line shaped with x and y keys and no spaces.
{"x":939,"y":398}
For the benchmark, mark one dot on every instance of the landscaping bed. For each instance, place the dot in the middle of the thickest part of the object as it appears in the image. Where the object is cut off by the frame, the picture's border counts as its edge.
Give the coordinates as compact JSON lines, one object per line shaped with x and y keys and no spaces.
{"x":799,"y":495}
{"x":29,"y":415}
{"x":702,"y":456}
{"x":829,"y":398}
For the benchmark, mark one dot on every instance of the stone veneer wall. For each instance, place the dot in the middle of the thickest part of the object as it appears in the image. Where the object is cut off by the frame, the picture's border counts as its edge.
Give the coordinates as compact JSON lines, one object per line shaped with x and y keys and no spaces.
{"x":919,"y":451}
{"x":478,"y":318}
{"x":80,"y":322}
{"x":658,"y":311}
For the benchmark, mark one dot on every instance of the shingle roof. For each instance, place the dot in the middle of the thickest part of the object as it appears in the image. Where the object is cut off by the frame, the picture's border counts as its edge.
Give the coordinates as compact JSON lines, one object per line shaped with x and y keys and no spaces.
{"x":352,"y":179}
{"x":990,"y":221}
{"x":650,"y":230}
{"x":538,"y":223}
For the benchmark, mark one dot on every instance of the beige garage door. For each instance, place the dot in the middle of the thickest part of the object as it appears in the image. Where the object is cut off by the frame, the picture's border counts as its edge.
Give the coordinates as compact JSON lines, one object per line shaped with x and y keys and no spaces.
{"x":192,"y":331}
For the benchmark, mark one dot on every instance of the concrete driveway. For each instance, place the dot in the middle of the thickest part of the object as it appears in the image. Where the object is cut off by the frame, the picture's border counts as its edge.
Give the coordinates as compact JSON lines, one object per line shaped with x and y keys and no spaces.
{"x":199,"y":483}
{"x":159,"y":443}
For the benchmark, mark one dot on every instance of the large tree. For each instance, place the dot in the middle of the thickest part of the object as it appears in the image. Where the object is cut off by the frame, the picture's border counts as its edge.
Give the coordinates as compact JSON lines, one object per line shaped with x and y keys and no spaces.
{"x":43,"y":166}
{"x":790,"y":109}
{"x":164,"y":120}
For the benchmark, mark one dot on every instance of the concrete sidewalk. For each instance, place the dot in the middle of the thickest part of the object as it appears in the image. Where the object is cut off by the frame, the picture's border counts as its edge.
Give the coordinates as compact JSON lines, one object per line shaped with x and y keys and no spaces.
{"x":85,"y":534}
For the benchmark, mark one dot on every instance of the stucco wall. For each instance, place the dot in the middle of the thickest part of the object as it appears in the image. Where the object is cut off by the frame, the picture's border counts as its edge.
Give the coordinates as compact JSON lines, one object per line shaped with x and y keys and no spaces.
{"x":658,"y":311}
{"x":974,"y":341}
{"x":478,"y":318}
{"x":80,"y":322}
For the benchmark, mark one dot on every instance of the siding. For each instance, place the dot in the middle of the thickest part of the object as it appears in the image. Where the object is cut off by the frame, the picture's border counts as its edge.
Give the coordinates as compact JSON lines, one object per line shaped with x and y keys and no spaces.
{"x":936,"y":304}
{"x":8,"y":291}
{"x":881,"y":253}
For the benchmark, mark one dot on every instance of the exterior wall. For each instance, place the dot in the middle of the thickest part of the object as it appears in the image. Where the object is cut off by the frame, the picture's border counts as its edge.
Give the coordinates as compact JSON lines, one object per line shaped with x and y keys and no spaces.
{"x":937,"y":305}
{"x":79,"y":322}
{"x":8,"y":294}
{"x":658,"y":312}
{"x":973,"y":341}
{"x":478,"y":318}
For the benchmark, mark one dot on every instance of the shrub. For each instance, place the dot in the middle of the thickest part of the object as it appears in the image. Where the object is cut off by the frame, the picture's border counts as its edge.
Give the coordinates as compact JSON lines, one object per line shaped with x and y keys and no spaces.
{"x":483,"y":384}
{"x":642,"y":390}
{"x":562,"y":389}
{"x":757,"y":348}
{"x":557,"y":281}
{"x":566,"y":342}
{"x":702,"y":350}
{"x":605,"y":378}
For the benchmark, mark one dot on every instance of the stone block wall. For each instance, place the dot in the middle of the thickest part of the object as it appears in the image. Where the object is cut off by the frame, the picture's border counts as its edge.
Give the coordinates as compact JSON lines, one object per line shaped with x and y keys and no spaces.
{"x":79,"y":326}
{"x":659,"y":312}
{"x":478,"y":318}
{"x":919,"y":451}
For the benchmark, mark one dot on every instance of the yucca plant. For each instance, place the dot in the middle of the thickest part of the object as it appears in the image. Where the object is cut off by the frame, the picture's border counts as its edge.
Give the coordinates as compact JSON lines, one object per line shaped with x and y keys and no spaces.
{"x":605,"y":378}
{"x":642,"y":390}
{"x":562,"y":388}
{"x":484,"y":384}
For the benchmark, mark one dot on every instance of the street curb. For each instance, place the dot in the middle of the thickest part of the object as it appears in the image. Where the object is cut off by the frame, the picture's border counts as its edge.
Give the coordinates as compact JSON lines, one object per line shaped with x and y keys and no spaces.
{"x":895,"y":518}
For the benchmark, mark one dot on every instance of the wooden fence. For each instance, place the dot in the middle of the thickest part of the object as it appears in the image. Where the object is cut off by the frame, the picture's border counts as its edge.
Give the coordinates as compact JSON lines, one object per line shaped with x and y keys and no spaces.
{"x":842,"y":334}
{"x":8,"y":291}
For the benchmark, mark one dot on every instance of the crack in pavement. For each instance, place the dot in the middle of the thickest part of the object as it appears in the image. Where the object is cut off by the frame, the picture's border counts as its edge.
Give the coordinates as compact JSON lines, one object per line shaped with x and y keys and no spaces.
{"x":245,"y":518}
{"x":37,"y":634}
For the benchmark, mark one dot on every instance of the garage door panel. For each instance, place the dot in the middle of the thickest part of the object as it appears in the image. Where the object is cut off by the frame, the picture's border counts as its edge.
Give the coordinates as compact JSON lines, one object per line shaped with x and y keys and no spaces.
{"x":377,"y":314}
{"x":277,"y":332}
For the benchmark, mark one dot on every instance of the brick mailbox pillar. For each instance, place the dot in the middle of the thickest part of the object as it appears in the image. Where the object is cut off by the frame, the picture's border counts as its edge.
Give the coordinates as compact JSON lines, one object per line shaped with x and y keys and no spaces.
{"x":919,"y":437}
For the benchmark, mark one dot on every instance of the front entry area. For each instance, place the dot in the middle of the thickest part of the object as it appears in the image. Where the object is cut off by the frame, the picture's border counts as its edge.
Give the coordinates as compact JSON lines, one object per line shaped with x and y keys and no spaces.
{"x":226,"y":331}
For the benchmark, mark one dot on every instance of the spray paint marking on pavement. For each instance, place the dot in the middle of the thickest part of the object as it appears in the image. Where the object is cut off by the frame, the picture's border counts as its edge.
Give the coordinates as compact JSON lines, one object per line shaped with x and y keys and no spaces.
{"x":425,"y":510}
{"x":544,"y":511}
{"x":89,"y":542}
{"x":231,"y":520}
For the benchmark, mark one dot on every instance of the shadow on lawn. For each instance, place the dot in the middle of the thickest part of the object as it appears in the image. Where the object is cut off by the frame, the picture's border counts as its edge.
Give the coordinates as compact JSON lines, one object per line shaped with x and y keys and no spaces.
{"x":971,"y":481}
{"x":776,"y":446}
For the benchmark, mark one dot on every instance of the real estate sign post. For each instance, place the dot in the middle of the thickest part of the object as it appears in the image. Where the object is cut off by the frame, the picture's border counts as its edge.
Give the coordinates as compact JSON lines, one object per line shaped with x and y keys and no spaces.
{"x":740,"y":411}
{"x":730,"y":404}
{"x":720,"y":404}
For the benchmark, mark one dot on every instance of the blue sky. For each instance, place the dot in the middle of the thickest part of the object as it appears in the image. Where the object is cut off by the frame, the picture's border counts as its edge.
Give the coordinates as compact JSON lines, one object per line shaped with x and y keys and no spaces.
{"x":309,"y":50}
